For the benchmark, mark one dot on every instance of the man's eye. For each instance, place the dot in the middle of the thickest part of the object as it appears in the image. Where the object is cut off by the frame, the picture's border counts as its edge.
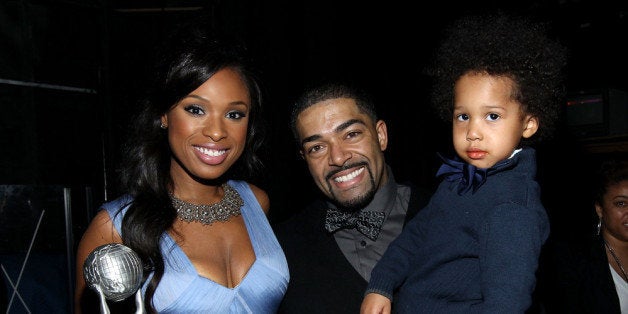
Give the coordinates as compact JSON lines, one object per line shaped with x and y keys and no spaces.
{"x":314,"y":149}
{"x":353,"y":134}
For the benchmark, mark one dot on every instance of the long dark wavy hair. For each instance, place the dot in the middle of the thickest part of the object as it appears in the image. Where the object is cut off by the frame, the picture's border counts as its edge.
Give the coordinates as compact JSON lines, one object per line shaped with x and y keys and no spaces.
{"x":191,"y":58}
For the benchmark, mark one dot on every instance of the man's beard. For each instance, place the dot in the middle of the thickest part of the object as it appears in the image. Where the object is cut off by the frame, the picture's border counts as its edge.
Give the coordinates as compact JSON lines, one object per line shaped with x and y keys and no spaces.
{"x":356,"y":204}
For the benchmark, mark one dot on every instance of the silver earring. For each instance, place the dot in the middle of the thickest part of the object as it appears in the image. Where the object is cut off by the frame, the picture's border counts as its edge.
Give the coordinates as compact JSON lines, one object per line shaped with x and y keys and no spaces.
{"x":599,"y":225}
{"x":163,"y":126}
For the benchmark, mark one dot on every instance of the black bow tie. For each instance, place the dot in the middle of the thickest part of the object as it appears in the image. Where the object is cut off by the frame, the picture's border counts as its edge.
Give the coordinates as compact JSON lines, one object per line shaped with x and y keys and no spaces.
{"x":369,"y":223}
{"x":468,"y":175}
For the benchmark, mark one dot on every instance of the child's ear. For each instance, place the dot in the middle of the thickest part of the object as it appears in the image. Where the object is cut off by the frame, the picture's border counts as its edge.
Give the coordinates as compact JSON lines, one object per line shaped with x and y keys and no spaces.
{"x":530,"y":126}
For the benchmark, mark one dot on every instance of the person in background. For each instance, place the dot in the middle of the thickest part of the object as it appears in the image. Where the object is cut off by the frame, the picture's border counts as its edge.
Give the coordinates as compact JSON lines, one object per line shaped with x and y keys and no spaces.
{"x":592,"y":277}
{"x":200,"y":228}
{"x":334,"y":243}
{"x":475,"y":247}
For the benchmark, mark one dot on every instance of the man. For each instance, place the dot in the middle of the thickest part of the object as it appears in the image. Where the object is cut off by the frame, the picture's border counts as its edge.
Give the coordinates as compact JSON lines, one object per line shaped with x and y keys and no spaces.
{"x":334,"y":243}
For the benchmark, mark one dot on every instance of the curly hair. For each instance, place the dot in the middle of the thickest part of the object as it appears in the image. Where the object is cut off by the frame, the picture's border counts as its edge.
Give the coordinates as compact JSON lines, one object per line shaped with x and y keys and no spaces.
{"x":503,"y":45}
{"x":190,"y":59}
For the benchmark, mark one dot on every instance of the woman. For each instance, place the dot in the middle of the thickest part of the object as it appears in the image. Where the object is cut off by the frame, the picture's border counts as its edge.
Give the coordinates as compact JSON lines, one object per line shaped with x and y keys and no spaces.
{"x":594,"y":279}
{"x":196,"y":224}
{"x":611,"y":207}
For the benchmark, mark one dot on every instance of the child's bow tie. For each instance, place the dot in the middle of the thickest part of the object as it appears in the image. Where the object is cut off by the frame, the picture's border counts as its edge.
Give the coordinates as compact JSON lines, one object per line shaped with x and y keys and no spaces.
{"x":469,"y":176}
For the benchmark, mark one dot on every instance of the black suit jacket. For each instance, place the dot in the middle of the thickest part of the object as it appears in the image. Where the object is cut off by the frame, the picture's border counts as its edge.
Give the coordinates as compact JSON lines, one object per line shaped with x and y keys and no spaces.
{"x":321,"y":279}
{"x":578,"y":279}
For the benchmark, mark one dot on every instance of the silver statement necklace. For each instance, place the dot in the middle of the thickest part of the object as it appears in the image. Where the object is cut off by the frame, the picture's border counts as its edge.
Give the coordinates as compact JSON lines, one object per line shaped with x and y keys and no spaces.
{"x":617,"y":260}
{"x":229,"y":206}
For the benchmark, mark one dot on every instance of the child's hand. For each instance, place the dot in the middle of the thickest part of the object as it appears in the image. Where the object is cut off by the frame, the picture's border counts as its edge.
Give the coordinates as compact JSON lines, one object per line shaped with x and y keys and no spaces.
{"x":374,"y":303}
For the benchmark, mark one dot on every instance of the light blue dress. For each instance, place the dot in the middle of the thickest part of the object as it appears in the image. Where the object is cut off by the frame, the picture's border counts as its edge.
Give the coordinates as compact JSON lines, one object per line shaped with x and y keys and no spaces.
{"x":183,"y":290}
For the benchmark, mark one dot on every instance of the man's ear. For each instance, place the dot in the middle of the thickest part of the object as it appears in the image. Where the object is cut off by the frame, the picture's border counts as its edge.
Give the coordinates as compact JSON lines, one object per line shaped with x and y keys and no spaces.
{"x":382,"y":134}
{"x":531,"y":125}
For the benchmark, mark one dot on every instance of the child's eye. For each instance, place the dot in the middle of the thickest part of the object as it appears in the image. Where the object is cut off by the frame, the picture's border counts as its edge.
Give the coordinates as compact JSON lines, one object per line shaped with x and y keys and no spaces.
{"x":195,"y":110}
{"x":492,"y":116}
{"x":462,"y":117}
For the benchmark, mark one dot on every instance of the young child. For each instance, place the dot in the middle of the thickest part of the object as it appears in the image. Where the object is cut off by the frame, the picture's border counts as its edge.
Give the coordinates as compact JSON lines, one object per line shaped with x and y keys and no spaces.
{"x":475,"y":246}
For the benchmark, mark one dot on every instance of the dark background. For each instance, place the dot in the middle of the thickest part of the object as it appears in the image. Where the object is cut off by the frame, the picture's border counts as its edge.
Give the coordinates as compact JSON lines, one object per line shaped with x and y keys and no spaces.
{"x":71,"y":73}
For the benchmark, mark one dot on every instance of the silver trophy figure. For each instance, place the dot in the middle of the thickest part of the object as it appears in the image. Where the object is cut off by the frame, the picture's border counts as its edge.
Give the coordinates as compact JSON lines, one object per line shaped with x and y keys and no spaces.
{"x":115,"y":272}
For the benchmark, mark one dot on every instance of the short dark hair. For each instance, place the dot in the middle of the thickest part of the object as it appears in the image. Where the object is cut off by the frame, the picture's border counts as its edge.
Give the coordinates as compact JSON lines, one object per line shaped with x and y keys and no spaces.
{"x":330,"y":90}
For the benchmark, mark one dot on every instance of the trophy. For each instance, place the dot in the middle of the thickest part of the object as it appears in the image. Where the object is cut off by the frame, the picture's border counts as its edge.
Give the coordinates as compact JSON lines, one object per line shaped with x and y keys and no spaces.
{"x":115,"y":272}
